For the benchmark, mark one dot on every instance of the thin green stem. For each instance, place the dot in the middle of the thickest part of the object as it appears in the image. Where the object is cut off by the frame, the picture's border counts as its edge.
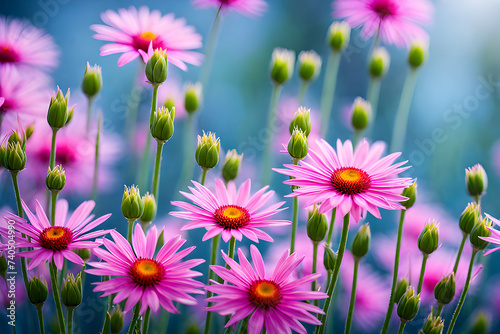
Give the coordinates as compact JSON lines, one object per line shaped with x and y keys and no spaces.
{"x":156,"y":178}
{"x":328,"y":280}
{"x":459,"y":255}
{"x":295,"y":217}
{"x":70,"y":321}
{"x":60,"y":274}
{"x":57,"y":298}
{"x":422,"y":272}
{"x":330,"y":229}
{"x":395,"y":273}
{"x":340,"y":254}
{"x":153,"y":103}
{"x":213,"y":260}
{"x":203,"y":177}
{"x":328,"y":93}
{"x":271,"y":122}
{"x":314,"y":283}
{"x":145,"y":323}
{"x":20,"y":214}
{"x":135,"y":316}
{"x":230,"y":253}
{"x":89,"y":113}
{"x":53,"y":208}
{"x":401,"y":328}
{"x":302,"y":92}
{"x":357,"y":137}
{"x":439,"y":309}
{"x":40,"y":319}
{"x":210,"y":50}
{"x":464,"y":293}
{"x":130,"y":229}
{"x":96,"y":159}
{"x":52,"y":161}
{"x":353,"y":297}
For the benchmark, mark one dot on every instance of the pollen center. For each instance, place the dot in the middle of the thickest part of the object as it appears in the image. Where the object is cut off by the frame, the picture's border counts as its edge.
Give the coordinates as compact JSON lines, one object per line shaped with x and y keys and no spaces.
{"x":232,"y":216}
{"x":55,"y":238}
{"x":148,"y":35}
{"x":350,"y":180}
{"x":142,"y":41}
{"x":264,"y":294}
{"x":384,"y":7}
{"x":146,"y":272}
{"x":8,"y":55}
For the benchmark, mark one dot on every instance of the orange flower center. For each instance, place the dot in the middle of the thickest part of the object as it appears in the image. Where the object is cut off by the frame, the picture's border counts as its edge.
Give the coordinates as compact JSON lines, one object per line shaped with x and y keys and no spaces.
{"x":146,"y":272}
{"x":149,"y":36}
{"x":55,"y":238}
{"x":264,"y":294}
{"x":8,"y":55}
{"x":232,"y":216}
{"x":350,"y":181}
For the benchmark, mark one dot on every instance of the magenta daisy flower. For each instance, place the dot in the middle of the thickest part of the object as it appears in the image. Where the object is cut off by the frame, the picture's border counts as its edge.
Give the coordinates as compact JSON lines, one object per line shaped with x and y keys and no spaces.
{"x":131,"y":30}
{"x":56,"y":243}
{"x":398,"y":21}
{"x":142,"y":277}
{"x":24,"y":44}
{"x":349,"y":181}
{"x":244,"y":7}
{"x":272,"y":302}
{"x":494,"y":238}
{"x":229,"y":212}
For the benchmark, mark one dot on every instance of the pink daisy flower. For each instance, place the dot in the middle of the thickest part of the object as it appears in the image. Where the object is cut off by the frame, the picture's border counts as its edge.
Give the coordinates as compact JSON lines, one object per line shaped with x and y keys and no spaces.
{"x":272,"y":302}
{"x":132,"y":30}
{"x":349,"y":181}
{"x":229,"y":212}
{"x":23,"y":44}
{"x":56,"y":243}
{"x":244,"y":7}
{"x":142,"y":277}
{"x":397,"y":21}
{"x":494,"y":238}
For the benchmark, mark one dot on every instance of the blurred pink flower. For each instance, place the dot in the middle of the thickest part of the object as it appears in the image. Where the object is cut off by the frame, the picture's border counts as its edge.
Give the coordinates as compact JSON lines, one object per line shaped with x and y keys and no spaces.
{"x":244,"y":7}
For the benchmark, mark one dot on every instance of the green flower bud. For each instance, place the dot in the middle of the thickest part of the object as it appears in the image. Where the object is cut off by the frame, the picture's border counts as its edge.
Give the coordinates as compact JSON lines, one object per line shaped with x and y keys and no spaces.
{"x":132,"y":206}
{"x":116,"y":320}
{"x":476,"y":180}
{"x":193,"y":96}
{"x":302,"y":120}
{"x":149,"y":213}
{"x":408,"y":305}
{"x":14,"y":138}
{"x":481,"y":324}
{"x":379,"y":63}
{"x":37,"y":291}
{"x":418,"y":54}
{"x":56,"y":179}
{"x":71,"y":292}
{"x":162,"y":126}
{"x":161,"y":240}
{"x":15,"y":157}
{"x":59,"y":115}
{"x":192,"y":329}
{"x":400,"y":290}
{"x":361,"y":242}
{"x":428,"y":240}
{"x":84,"y":253}
{"x":29,"y":131}
{"x":231,"y":165}
{"x":92,"y":80}
{"x":169,"y":103}
{"x":157,"y":67}
{"x":480,"y":231}
{"x":317,"y":225}
{"x":432,"y":325}
{"x":309,"y":65}
{"x":298,"y":146}
{"x":3,"y":152}
{"x":470,"y":217}
{"x":329,"y":258}
{"x":361,"y":113}
{"x":3,"y":265}
{"x":338,"y":35}
{"x":411,"y":193}
{"x":444,"y":291}
{"x":207,"y":151}
{"x":282,"y":64}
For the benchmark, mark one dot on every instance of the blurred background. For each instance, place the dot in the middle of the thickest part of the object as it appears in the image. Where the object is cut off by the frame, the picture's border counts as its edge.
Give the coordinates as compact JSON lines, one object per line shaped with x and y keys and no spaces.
{"x":456,"y":96}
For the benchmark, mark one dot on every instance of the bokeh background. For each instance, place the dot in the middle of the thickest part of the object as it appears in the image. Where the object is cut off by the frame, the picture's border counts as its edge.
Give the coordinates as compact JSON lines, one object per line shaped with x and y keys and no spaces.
{"x":456,"y":95}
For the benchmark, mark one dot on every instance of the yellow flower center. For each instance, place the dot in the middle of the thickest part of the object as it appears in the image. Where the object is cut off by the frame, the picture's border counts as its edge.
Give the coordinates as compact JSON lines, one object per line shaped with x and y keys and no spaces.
{"x":265,"y":294}
{"x":232,"y":216}
{"x":146,"y":272}
{"x":232,"y":212}
{"x":55,"y":238}
{"x":350,"y":180}
{"x":148,"y":35}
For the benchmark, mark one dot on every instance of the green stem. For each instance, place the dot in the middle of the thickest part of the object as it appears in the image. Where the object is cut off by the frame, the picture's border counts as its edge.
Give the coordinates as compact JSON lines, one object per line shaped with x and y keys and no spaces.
{"x":395,"y":273}
{"x":401,"y":327}
{"x":401,"y":121}
{"x":153,"y":103}
{"x":302,"y":93}
{"x":330,"y":229}
{"x":328,"y":280}
{"x":314,"y":284}
{"x":357,"y":137}
{"x":131,"y":328}
{"x":145,"y":324}
{"x":130,"y":229}
{"x":40,"y":319}
{"x":464,"y":293}
{"x":230,"y":253}
{"x":210,"y":50}
{"x":156,"y":178}
{"x":53,"y":209}
{"x":353,"y":297}
{"x":422,"y":272}
{"x":52,"y":161}
{"x":213,"y":260}
{"x":89,"y":113}
{"x":440,"y":309}
{"x":459,"y":255}
{"x":20,"y":214}
{"x":96,"y":159}
{"x":60,"y":274}
{"x":295,"y":217}
{"x":328,"y":93}
{"x":203,"y":177}
{"x":271,"y":120}
{"x":340,"y":254}
{"x":57,"y":299}
{"x":70,"y":321}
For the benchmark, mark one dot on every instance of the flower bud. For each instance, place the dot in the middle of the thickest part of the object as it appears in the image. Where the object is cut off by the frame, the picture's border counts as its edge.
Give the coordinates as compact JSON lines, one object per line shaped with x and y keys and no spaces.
{"x":329,"y":258}
{"x":192,"y":329}
{"x":418,"y":54}
{"x":3,"y":265}
{"x":149,"y":204}
{"x":411,"y":193}
{"x":317,"y":225}
{"x":282,"y":64}
{"x":470,"y":217}
{"x":14,"y":138}
{"x":207,"y":151}
{"x":476,"y":180}
{"x":339,"y":35}
{"x":162,"y":125}
{"x":92,"y":80}
{"x":400,"y":290}
{"x":361,"y":242}
{"x":37,"y":291}
{"x":428,"y":240}
{"x":84,"y":253}
{"x":117,"y":318}
{"x":56,"y":179}
{"x":132,"y":206}
{"x":71,"y":292}
{"x":309,"y":65}
{"x":106,"y":328}
{"x":361,"y":113}
{"x":480,"y":231}
{"x":193,"y":95}
{"x":15,"y":157}
{"x":302,"y":120}
{"x":29,"y":131}
{"x":3,"y":152}
{"x":379,"y":62}
{"x":432,"y":325}
{"x":231,"y":165}
{"x":59,"y":115}
{"x":298,"y":146}
{"x":161,"y":240}
{"x":408,"y":305}
{"x":444,"y":291}
{"x":481,"y":324}
{"x":157,"y":67}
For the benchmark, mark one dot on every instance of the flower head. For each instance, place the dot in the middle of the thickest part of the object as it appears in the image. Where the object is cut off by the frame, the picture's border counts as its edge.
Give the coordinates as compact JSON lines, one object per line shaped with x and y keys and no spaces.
{"x":131,"y":30}
{"x":244,"y":7}
{"x":140,"y":276}
{"x":274,"y":301}
{"x":230,"y":212}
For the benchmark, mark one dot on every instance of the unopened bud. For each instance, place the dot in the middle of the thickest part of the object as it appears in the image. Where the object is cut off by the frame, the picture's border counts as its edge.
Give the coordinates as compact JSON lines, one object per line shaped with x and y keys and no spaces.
{"x":411,"y":193}
{"x":132,"y":206}
{"x":149,"y":213}
{"x":71,"y":292}
{"x":470,"y":217}
{"x":56,"y":179}
{"x":480,"y":231}
{"x":361,"y":113}
{"x":338,"y":36}
{"x":231,"y":165}
{"x":317,"y":225}
{"x":157,"y":67}
{"x":361,"y":242}
{"x":207,"y":151}
{"x":298,"y":146}
{"x":418,"y":54}
{"x":92,"y":80}
{"x":444,"y":291}
{"x":428,"y":241}
{"x":379,"y":62}
{"x":193,"y":96}
{"x":309,"y":65}
{"x":162,"y":125}
{"x":408,"y":305}
{"x":282,"y":64}
{"x":302,"y":120}
{"x":476,"y":180}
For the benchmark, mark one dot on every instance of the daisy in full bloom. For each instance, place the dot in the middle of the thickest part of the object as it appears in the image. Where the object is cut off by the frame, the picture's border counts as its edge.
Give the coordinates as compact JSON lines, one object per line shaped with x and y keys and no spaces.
{"x":273,"y":302}
{"x":131,"y":30}
{"x":349,"y":181}
{"x":397,"y":21}
{"x":139,"y":276}
{"x":244,"y":7}
{"x":494,"y":238}
{"x":229,"y":212}
{"x":56,"y":243}
{"x":22,"y":44}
